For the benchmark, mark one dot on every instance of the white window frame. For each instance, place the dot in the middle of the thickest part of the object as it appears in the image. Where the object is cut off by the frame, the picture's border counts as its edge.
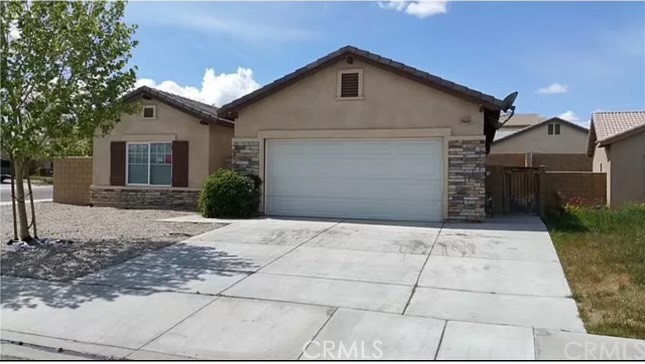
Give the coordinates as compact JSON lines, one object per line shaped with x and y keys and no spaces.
{"x":127,"y":164}
{"x":154,"y":112}
{"x":339,"y":84}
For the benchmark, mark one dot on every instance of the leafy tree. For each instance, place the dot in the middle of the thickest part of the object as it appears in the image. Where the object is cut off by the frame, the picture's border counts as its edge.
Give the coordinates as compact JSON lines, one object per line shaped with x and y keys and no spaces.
{"x":63,"y":69}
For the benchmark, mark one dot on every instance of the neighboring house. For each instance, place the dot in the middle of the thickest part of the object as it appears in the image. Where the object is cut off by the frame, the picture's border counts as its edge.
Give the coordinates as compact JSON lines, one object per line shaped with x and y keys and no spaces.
{"x":357,"y":135}
{"x":557,"y":144}
{"x":516,"y":123}
{"x":617,"y":144}
{"x":160,"y":156}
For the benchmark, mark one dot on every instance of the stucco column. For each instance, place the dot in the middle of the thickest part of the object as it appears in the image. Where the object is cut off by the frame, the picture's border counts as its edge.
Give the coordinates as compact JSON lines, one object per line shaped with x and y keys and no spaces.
{"x":466,"y":180}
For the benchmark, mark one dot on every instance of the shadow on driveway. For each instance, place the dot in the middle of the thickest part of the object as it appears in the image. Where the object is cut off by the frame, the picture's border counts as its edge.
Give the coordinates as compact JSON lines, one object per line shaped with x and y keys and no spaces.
{"x":180,"y":267}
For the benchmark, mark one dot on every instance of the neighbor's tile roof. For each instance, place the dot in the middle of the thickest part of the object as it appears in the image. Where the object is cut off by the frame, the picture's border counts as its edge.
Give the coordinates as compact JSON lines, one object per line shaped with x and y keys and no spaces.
{"x":521,"y":119}
{"x":504,"y":132}
{"x":609,"y":124}
{"x":375,"y":59}
{"x":192,"y":107}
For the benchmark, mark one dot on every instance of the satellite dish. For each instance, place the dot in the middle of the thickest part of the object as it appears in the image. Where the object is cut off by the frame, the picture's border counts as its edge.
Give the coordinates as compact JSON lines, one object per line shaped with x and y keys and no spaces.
{"x":507,"y":103}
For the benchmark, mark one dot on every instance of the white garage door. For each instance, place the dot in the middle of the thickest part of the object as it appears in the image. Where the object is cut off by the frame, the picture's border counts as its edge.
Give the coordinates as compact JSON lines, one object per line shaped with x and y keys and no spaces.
{"x":361,"y":178}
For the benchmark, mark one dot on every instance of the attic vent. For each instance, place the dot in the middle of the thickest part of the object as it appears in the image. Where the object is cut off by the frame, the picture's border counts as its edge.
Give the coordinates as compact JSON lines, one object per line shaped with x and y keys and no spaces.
{"x":350,"y":84}
{"x":149,"y":112}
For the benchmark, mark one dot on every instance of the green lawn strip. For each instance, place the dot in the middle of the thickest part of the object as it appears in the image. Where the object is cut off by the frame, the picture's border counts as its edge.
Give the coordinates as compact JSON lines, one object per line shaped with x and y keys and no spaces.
{"x":603,"y":255}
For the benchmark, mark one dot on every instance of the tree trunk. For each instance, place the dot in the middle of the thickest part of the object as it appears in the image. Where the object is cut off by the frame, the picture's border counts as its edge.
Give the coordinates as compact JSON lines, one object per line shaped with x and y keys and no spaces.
{"x":33,"y":211}
{"x":23,"y":227}
{"x":13,"y":201}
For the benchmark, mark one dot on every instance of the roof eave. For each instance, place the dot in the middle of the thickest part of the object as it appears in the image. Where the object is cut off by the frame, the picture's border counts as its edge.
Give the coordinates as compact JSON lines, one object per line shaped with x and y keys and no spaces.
{"x":147,"y":91}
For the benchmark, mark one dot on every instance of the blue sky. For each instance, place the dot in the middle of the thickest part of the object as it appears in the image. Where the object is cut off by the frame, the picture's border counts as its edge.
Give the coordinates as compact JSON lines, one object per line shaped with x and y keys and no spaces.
{"x":569,"y":58}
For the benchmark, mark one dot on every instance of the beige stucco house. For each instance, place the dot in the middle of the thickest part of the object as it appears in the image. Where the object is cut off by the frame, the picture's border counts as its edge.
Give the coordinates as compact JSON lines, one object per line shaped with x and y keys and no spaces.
{"x":358,"y":135}
{"x":160,"y":156}
{"x":557,"y":144}
{"x":617,"y":144}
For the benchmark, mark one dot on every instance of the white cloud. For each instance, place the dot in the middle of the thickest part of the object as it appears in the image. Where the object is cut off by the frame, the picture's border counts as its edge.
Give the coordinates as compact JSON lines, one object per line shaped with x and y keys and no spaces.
{"x":554,"y":88}
{"x":216,"y":89}
{"x":569,"y":116}
{"x":420,"y":9}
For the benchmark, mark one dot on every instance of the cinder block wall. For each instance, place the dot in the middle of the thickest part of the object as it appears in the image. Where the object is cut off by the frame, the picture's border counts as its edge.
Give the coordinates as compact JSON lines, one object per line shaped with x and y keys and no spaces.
{"x":506,"y":160}
{"x":563,"y":162}
{"x":552,"y":161}
{"x":587,"y":188}
{"x":72,"y":180}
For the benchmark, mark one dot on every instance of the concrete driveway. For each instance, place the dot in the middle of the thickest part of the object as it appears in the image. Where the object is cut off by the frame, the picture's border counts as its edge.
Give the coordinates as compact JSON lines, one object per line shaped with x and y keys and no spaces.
{"x":289,"y":289}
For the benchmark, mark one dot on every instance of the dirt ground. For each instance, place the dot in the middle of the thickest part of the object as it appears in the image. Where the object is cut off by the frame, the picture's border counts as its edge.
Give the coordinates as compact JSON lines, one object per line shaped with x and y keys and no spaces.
{"x":100,"y":237}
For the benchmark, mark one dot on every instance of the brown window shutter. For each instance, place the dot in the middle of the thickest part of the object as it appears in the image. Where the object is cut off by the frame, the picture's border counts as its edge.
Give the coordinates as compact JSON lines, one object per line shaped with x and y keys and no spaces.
{"x":349,"y":85}
{"x":180,"y":164}
{"x":117,"y":163}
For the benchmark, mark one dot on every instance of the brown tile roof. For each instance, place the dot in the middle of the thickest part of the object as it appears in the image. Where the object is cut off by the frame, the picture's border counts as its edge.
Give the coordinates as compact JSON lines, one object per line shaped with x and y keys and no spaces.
{"x":374,"y":59}
{"x":192,"y":107}
{"x":609,"y":126}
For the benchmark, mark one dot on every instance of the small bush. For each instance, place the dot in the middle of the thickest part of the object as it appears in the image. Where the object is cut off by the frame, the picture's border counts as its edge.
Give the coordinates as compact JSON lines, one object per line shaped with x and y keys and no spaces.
{"x":229,"y":194}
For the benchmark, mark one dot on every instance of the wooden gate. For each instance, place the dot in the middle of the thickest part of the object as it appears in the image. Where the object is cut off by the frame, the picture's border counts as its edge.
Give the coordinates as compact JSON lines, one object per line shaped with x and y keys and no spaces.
{"x":521,"y":189}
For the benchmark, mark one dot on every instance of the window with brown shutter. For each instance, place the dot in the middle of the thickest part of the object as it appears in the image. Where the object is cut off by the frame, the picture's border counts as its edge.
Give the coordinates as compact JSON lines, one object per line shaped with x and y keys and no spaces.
{"x":350,"y":84}
{"x":117,"y":163}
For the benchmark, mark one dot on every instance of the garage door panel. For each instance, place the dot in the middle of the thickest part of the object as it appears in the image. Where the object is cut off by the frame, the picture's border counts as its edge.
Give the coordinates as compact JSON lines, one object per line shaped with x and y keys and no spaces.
{"x":356,"y":187}
{"x":355,"y":208}
{"x":372,"y":167}
{"x":381,"y":179}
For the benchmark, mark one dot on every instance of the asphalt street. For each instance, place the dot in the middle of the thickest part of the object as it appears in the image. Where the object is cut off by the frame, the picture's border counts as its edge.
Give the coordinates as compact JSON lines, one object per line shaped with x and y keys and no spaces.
{"x":41,"y":192}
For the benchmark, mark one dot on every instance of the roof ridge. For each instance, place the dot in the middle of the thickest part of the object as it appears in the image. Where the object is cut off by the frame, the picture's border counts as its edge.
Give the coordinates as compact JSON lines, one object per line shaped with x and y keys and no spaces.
{"x":191,"y":106}
{"x":154,"y":89}
{"x":540,"y":123}
{"x":377,"y":60}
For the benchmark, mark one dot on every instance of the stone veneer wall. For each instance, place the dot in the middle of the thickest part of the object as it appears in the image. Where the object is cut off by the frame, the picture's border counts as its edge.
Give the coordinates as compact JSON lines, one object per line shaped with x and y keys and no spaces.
{"x":246,"y":156}
{"x":145,"y":198}
{"x":466,"y":180}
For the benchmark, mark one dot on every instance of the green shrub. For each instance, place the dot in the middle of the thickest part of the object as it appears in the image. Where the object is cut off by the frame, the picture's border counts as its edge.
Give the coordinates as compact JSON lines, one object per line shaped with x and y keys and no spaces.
{"x":229,"y":194}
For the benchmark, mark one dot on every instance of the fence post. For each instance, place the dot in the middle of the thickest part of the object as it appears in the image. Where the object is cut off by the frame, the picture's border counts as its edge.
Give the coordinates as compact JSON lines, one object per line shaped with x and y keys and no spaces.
{"x":542,"y":192}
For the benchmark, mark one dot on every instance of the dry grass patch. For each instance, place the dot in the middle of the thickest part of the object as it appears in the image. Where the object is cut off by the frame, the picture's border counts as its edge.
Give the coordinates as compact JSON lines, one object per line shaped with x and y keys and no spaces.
{"x":603,"y":255}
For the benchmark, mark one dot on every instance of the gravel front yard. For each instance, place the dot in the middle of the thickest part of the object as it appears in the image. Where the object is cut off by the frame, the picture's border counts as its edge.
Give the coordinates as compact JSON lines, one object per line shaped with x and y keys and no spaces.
{"x":101,"y":236}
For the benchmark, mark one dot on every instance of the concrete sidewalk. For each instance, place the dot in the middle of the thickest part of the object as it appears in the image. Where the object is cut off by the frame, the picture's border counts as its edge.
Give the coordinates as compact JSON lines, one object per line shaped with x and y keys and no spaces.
{"x":289,"y":289}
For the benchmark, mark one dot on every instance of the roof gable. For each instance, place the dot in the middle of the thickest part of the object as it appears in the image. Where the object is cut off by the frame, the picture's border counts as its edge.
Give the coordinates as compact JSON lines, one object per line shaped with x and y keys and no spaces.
{"x":566,"y":123}
{"x":200,"y":110}
{"x":230,"y":109}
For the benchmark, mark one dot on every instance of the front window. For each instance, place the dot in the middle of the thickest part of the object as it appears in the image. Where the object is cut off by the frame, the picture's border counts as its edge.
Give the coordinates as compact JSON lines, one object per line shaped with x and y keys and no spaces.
{"x":554,"y":129}
{"x":150,"y":164}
